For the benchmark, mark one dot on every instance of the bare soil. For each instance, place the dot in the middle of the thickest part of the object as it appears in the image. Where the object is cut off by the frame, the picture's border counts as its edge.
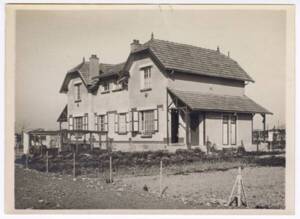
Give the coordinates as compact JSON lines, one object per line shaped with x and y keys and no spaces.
{"x":38,"y":190}
{"x":264,"y":187}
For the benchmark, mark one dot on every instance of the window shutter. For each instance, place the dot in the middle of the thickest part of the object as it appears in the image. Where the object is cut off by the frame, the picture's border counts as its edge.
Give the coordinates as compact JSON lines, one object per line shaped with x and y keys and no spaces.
{"x":140,"y":121}
{"x":142,"y":79}
{"x":128,"y":121}
{"x":105,"y":123}
{"x":86,"y":121}
{"x":156,"y":116}
{"x":116,"y":122}
{"x":96,"y":121}
{"x":135,"y":121}
{"x":70,"y":122}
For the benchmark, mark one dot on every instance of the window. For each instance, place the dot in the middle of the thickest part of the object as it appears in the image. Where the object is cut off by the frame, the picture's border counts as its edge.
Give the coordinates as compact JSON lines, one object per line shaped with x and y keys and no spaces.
{"x":122,"y":123}
{"x":102,"y":123}
{"x":233,"y":130}
{"x":78,"y":123}
{"x":225,"y":129}
{"x":229,"y":129}
{"x":77,"y":92}
{"x":147,"y":122}
{"x":105,"y":86}
{"x":85,"y":122}
{"x":117,"y":86}
{"x":146,"y":77}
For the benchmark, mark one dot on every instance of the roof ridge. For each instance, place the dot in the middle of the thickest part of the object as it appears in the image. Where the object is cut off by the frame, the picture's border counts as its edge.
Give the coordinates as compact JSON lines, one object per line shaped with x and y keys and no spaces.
{"x":188,"y":45}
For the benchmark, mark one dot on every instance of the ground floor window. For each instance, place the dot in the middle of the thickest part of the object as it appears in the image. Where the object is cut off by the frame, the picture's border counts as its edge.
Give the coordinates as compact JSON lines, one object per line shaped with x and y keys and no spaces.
{"x":233,"y":130}
{"x":78,"y":123}
{"x":122,"y":123}
{"x":147,"y":121}
{"x":225,"y":131}
{"x":229,"y":129}
{"x":101,"y":122}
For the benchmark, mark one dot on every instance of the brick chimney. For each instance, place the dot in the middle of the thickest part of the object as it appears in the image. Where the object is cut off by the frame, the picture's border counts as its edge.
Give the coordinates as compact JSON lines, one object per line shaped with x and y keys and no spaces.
{"x":134,"y":45}
{"x":94,"y":66}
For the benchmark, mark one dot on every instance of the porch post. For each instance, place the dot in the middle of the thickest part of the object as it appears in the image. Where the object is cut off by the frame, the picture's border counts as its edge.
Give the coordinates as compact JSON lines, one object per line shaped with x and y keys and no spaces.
{"x":167,"y":105}
{"x":61,"y":136}
{"x":187,"y":128}
{"x":264,"y":126}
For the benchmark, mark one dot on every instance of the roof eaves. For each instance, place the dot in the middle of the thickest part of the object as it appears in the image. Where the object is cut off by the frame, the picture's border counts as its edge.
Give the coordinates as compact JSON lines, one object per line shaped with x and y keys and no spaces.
{"x":210,"y":75}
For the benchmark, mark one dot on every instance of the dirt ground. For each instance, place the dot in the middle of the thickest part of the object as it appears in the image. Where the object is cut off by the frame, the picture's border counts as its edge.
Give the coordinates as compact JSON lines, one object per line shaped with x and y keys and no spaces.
{"x":264,"y":186}
{"x":38,"y":190}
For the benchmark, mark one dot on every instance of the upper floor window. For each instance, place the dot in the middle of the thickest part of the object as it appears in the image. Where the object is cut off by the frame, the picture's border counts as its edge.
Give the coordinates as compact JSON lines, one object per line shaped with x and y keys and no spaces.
{"x":146,"y":77}
{"x":77,"y":92}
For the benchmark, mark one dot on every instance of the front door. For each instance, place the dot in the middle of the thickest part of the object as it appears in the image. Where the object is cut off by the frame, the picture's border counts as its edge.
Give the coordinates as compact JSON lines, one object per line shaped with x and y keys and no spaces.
{"x":194,"y":129}
{"x":174,"y":125}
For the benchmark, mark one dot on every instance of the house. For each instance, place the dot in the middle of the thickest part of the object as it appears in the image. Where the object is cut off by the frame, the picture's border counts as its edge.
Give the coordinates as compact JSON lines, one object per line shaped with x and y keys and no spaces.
{"x":274,"y":138}
{"x":165,"y":95}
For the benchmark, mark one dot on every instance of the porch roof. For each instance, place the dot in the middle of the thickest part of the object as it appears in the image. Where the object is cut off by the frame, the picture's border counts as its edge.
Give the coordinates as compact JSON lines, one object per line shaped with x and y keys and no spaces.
{"x":63,"y":117}
{"x":218,"y":103}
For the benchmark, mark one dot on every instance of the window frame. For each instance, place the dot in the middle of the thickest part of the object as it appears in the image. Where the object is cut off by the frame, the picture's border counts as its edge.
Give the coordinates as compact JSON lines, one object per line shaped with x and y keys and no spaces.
{"x":77,"y":91}
{"x":120,"y":131}
{"x":225,"y":122}
{"x":146,"y":78}
{"x":233,"y":118}
{"x":147,"y":121}
{"x":78,"y":123}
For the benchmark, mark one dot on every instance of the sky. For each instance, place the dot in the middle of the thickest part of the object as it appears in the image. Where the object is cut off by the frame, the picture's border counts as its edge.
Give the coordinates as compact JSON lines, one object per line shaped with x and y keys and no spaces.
{"x":49,"y":43}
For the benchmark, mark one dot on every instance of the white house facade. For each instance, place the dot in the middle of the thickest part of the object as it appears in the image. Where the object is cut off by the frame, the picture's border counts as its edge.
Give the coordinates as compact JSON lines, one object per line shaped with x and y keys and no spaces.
{"x":165,"y":95}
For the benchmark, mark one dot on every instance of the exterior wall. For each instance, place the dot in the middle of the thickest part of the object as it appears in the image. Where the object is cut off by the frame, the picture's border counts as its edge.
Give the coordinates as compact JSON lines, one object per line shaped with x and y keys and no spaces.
{"x":135,"y":98}
{"x":206,"y":84}
{"x":151,"y":99}
{"x":213,"y":128}
{"x":244,"y":128}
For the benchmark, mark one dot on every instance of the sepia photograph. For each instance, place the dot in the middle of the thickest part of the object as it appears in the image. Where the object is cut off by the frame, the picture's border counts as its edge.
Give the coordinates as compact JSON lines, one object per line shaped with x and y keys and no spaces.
{"x":150,"y":107}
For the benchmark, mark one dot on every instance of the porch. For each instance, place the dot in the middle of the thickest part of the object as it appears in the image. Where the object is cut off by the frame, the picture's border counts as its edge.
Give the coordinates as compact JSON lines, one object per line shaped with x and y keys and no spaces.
{"x":197,"y":118}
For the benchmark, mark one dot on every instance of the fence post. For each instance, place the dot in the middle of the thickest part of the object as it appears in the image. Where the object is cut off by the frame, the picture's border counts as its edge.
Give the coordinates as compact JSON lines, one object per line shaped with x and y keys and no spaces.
{"x":26,"y":161}
{"x":110,"y":169}
{"x":47,"y":162}
{"x":74,"y":166}
{"x":160,"y":177}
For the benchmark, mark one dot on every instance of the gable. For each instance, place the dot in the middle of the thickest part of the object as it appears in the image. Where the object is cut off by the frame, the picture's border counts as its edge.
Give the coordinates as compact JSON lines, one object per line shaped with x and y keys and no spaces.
{"x":69,"y":77}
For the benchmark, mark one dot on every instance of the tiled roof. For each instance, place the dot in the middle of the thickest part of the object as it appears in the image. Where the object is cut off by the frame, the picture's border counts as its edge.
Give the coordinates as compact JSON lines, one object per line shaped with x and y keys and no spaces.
{"x":220,"y":103}
{"x":105,"y":70}
{"x":82,"y":69}
{"x":195,"y":60}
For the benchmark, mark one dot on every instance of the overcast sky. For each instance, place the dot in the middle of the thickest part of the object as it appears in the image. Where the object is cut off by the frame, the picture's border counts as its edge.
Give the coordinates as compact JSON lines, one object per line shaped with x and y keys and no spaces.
{"x":49,"y":43}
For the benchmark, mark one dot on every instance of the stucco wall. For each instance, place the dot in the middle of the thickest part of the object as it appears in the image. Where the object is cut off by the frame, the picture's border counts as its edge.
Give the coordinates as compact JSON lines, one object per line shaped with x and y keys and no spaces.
{"x":206,"y":84}
{"x":213,"y":125}
{"x":244,"y":129}
{"x":84,"y":106}
{"x":143,"y":100}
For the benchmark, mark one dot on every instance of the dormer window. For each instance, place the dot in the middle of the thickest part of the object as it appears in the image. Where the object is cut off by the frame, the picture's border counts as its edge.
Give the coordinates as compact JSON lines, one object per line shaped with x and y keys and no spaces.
{"x":105,"y":86}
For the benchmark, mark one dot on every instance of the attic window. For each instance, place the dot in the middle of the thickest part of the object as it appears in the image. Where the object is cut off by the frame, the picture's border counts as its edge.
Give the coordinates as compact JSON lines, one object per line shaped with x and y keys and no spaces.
{"x":77,"y":92}
{"x":146,"y":78}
